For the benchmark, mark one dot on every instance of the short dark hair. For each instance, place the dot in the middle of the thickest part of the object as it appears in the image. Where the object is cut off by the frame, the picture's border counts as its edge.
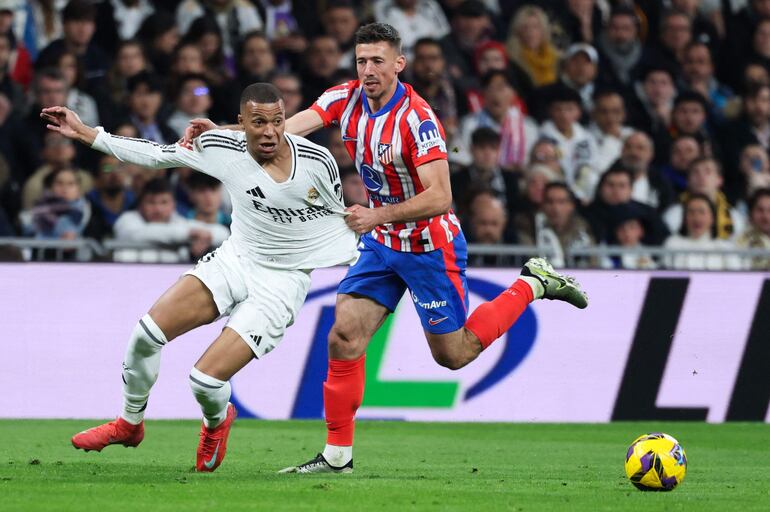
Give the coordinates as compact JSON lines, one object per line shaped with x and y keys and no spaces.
{"x":471,"y":9}
{"x":51,"y":176}
{"x":426,"y":41}
{"x":756,"y":196}
{"x":485,"y":136}
{"x":155,"y":186}
{"x":49,"y":73}
{"x":490,"y":75}
{"x":560,"y":185}
{"x":704,"y":159}
{"x":698,"y":197}
{"x":201,"y":181}
{"x":691,"y":97}
{"x":261,"y":92}
{"x":606,"y":92}
{"x":616,"y":168}
{"x":79,"y":10}
{"x":753,"y":90}
{"x":179,"y":83}
{"x":564,"y":94}
{"x":377,"y":33}
{"x":151,"y":80}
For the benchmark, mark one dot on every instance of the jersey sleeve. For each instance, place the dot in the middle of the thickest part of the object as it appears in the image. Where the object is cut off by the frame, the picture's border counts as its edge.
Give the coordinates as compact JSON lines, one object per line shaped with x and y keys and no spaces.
{"x":424,"y":136}
{"x":331,"y":103}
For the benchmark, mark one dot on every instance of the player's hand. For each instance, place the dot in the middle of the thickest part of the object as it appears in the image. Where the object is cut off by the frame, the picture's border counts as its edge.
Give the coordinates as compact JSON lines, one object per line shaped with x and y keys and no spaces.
{"x":196,"y":127}
{"x":362,"y":219}
{"x":67,"y":122}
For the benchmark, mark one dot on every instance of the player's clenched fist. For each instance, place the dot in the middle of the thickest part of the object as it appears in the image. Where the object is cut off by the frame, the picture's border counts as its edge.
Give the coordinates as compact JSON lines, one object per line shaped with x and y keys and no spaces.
{"x":362,"y":219}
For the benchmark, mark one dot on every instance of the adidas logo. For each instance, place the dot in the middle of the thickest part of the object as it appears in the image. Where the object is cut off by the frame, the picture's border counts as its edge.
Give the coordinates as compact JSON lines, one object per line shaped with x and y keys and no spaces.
{"x":256,"y":339}
{"x":256,"y":192}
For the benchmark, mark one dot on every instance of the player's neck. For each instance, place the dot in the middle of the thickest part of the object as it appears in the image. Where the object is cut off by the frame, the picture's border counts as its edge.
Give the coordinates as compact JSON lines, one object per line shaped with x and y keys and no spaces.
{"x":376,"y":104}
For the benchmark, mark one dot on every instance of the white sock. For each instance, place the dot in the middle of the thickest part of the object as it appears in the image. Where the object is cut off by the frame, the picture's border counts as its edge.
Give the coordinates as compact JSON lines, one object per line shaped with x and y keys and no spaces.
{"x":140,"y":368}
{"x":337,"y":456}
{"x":213,"y":395}
{"x":535,"y":284}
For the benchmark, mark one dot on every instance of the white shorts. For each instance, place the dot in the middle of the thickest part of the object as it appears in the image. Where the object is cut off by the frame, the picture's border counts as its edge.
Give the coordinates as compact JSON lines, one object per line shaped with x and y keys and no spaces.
{"x":261,"y":302}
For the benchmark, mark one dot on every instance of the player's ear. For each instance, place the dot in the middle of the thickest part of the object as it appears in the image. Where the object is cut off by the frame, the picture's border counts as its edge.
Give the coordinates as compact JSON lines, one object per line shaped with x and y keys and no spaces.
{"x":240,"y":119}
{"x":400,"y":63}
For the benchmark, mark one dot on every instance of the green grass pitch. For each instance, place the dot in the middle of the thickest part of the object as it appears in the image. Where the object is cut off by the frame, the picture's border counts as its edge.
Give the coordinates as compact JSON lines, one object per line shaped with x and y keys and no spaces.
{"x":399,"y":466}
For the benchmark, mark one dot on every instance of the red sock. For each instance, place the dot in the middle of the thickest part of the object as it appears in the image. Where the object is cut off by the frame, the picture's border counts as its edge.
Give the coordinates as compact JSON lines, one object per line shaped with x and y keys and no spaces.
{"x":343,"y":393}
{"x":492,"y":319}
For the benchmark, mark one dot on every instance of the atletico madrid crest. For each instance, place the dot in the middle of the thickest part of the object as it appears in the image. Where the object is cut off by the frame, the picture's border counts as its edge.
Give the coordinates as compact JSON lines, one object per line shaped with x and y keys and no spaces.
{"x":384,"y":153}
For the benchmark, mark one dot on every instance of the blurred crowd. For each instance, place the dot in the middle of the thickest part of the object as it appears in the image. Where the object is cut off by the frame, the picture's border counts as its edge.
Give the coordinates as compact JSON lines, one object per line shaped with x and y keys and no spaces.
{"x":570,"y":123}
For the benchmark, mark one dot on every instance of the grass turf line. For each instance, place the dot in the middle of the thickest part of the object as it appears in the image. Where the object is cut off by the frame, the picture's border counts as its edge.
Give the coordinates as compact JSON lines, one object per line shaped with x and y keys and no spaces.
{"x":399,"y":466}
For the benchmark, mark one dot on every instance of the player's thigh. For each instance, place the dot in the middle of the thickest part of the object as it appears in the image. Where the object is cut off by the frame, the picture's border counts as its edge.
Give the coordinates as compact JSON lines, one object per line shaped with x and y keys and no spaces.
{"x":356,"y":320}
{"x":186,"y":305}
{"x":226,"y":356}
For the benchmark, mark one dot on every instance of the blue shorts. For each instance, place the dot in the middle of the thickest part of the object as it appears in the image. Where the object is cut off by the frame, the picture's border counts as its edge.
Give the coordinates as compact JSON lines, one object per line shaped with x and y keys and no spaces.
{"x":436,"y":280}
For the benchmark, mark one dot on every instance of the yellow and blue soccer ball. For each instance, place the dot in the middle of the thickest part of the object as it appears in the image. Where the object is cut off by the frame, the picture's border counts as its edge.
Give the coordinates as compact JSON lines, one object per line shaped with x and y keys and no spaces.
{"x":656,"y":462}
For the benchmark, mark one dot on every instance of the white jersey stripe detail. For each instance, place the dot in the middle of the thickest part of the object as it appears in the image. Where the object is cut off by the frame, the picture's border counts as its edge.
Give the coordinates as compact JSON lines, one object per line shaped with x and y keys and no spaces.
{"x":330,"y":97}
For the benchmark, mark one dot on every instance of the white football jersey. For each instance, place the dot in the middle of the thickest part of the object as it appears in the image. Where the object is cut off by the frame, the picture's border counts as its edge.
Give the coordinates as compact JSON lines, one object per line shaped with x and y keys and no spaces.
{"x":296,"y":224}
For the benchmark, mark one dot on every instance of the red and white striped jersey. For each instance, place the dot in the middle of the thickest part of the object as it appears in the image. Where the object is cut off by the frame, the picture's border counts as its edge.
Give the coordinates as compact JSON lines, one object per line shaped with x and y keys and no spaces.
{"x":387,"y":147}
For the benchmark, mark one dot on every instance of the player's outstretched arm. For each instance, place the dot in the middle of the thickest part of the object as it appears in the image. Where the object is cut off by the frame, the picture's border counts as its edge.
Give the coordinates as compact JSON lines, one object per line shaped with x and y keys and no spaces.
{"x":65,"y":121}
{"x":305,"y":122}
{"x":435,"y":199}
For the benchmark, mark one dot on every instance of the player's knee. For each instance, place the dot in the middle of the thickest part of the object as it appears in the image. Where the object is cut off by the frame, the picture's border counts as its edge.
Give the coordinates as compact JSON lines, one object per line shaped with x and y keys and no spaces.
{"x":344,"y":344}
{"x":450,"y":360}
{"x":147,"y":337}
{"x":203,"y":386}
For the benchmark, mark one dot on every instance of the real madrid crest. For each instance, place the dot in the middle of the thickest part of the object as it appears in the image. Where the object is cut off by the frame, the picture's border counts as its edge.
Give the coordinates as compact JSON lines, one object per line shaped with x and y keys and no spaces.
{"x":312,"y":194}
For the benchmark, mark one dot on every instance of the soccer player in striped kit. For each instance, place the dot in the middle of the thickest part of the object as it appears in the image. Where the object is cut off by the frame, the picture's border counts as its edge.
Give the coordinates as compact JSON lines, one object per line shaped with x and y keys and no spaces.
{"x":410,"y":237}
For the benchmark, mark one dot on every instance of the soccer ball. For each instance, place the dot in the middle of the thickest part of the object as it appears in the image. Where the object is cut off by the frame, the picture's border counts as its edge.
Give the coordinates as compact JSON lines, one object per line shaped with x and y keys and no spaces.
{"x":656,"y":462}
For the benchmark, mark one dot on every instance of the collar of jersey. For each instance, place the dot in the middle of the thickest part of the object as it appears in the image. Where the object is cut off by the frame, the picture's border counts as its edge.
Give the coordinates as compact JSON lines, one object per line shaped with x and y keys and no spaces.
{"x":400,"y":91}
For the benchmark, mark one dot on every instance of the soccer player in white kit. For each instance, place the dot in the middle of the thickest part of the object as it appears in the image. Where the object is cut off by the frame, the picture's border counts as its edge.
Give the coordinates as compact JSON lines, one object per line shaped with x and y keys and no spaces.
{"x":287,"y":220}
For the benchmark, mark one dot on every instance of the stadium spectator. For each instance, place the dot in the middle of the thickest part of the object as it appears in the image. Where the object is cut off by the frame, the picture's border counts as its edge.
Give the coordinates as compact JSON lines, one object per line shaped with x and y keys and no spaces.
{"x":58,"y":153}
{"x":488,"y":224}
{"x":628,"y":233}
{"x":191,"y":99}
{"x":291,"y":88}
{"x":581,"y":20}
{"x":613,"y":201}
{"x":649,"y":186}
{"x":46,"y":20}
{"x":8,"y":86}
{"x":559,"y":228}
{"x":431,"y":81}
{"x":608,"y":128}
{"x":545,"y":152}
{"x":689,"y":117}
{"x":757,"y":235}
{"x":517,"y":131}
{"x":530,"y":201}
{"x":488,"y":56}
{"x":72,"y":72}
{"x":110,"y":197}
{"x":79,"y":24}
{"x":321,"y":64}
{"x":340,"y":21}
{"x":235,"y":19}
{"x":684,"y":150}
{"x":704,"y":177}
{"x":675,"y":34}
{"x":698,"y":231}
{"x":119,"y":20}
{"x":703,"y":29}
{"x":755,"y":167}
{"x":159,"y":35}
{"x":187,"y":58}
{"x":256,"y":61}
{"x":650,"y":109}
{"x":129,"y":60}
{"x":529,"y":45}
{"x":471,"y":25}
{"x":285,"y":25}
{"x":484,"y":173}
{"x":698,"y":76}
{"x":20,"y":60}
{"x":206,"y":197}
{"x":413,"y":19}
{"x":144,"y":103}
{"x":173,"y":238}
{"x":621,"y":48}
{"x":578,"y":150}
{"x":62,"y":213}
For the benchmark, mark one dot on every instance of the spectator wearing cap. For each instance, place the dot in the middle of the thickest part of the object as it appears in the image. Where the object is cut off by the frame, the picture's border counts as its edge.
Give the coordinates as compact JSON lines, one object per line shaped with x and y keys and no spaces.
{"x":471,"y":25}
{"x":559,"y":228}
{"x":579,"y":153}
{"x":650,"y":108}
{"x":414,"y":19}
{"x":698,"y":76}
{"x":484,"y":173}
{"x":431,"y":81}
{"x":79,"y":24}
{"x":649,"y":187}
{"x":155,"y":222}
{"x":340,"y":20}
{"x":144,"y":101}
{"x":621,"y":48}
{"x":614,"y":197}
{"x":579,"y":68}
{"x":529,"y":45}
{"x":517,"y":131}
{"x":684,"y":150}
{"x":488,"y":224}
{"x":192,"y":98}
{"x":629,"y":233}
{"x":235,"y":19}
{"x":757,"y":235}
{"x":119,"y":20}
{"x":705,"y":177}
{"x":322,"y":62}
{"x":110,"y":197}
{"x":608,"y":127}
{"x":752,"y":127}
{"x":699,"y":230}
